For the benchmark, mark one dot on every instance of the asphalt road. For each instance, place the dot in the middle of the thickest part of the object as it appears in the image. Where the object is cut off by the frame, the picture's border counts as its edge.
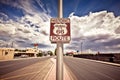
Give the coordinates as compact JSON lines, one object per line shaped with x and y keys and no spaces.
{"x":25,"y":69}
{"x":83,"y":69}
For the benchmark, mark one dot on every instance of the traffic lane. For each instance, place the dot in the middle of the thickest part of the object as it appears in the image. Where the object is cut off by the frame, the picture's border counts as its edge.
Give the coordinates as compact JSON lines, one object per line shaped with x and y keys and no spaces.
{"x":35,"y":71}
{"x":9,"y":66}
{"x":84,"y":69}
{"x":9,"y":62}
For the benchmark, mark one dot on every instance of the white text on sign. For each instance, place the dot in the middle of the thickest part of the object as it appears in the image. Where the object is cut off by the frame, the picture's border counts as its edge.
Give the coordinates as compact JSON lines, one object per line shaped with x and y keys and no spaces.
{"x":60,"y":38}
{"x":60,"y":30}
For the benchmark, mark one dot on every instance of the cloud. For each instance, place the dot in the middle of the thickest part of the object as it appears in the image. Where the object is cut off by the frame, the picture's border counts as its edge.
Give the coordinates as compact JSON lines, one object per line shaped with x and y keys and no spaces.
{"x":41,"y":5}
{"x":3,"y":16}
{"x":117,"y":31}
{"x":25,"y":31}
{"x":22,"y":4}
{"x":99,"y":30}
{"x":32,"y":27}
{"x":28,"y":6}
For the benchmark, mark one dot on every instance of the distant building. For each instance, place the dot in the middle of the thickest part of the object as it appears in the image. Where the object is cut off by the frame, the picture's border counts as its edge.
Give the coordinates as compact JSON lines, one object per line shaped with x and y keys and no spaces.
{"x":10,"y":53}
{"x":89,"y":51}
{"x":31,"y":52}
{"x":6,"y":53}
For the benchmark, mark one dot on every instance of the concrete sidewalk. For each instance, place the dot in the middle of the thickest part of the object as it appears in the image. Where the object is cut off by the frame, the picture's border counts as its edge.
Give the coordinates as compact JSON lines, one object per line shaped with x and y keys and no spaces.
{"x":52,"y":73}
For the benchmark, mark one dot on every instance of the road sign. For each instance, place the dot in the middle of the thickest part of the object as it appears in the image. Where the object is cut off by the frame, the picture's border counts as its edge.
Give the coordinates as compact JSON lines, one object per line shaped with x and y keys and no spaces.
{"x":60,"y":30}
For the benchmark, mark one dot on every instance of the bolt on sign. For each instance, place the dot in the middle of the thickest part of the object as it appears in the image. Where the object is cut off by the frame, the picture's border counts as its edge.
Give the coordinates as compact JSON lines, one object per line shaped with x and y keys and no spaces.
{"x":60,"y":30}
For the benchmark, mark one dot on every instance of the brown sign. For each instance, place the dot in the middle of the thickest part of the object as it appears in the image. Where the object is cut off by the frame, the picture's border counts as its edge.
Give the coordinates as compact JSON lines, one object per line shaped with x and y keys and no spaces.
{"x":60,"y":30}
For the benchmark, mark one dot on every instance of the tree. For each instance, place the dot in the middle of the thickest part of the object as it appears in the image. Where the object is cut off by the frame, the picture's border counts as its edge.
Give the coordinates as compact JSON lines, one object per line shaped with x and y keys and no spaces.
{"x":50,"y":53}
{"x":55,"y":51}
{"x":39,"y":54}
{"x":16,"y":49}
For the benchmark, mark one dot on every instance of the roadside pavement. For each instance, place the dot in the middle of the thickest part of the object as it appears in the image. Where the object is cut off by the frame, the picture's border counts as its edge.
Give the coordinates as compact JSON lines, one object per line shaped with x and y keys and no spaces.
{"x":52,"y":73}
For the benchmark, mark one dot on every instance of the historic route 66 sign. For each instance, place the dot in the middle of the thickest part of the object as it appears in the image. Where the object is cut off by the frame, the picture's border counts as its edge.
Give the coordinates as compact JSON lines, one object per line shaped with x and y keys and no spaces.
{"x":60,"y":30}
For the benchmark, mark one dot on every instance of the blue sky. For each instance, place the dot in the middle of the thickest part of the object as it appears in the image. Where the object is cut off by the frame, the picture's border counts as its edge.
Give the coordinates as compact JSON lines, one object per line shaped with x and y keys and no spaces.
{"x":26,"y":22}
{"x":83,"y":7}
{"x":79,"y":7}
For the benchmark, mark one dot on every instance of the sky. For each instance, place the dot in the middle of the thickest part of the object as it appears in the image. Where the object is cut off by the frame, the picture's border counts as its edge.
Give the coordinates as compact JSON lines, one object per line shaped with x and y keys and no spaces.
{"x":94,"y":23}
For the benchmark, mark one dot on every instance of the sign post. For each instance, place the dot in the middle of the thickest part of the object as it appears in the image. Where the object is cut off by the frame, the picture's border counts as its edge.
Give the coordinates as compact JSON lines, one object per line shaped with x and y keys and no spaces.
{"x":59,"y":66}
{"x":59,"y":34}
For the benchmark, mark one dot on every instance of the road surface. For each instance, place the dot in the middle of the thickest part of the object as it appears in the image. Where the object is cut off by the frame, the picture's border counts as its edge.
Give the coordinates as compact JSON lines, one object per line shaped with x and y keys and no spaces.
{"x":83,"y":69}
{"x":25,"y":69}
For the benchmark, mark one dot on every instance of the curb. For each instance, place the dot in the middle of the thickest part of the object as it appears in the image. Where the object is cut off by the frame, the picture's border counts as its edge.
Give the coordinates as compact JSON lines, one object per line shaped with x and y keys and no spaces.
{"x":113,"y":64}
{"x":49,"y":71}
{"x":51,"y":75}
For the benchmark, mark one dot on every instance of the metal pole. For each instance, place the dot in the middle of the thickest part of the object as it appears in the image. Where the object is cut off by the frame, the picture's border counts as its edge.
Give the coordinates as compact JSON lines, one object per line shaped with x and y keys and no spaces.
{"x":60,"y":9}
{"x":59,"y":62}
{"x":81,"y":47}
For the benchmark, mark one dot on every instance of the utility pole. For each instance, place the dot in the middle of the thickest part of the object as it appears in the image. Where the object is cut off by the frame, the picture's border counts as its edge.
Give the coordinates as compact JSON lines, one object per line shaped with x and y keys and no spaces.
{"x":59,"y":62}
{"x":12,"y":44}
{"x":81,"y":47}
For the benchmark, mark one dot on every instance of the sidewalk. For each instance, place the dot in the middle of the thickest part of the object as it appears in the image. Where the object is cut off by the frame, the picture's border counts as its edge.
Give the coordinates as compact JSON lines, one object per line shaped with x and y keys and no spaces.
{"x":52,"y":74}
